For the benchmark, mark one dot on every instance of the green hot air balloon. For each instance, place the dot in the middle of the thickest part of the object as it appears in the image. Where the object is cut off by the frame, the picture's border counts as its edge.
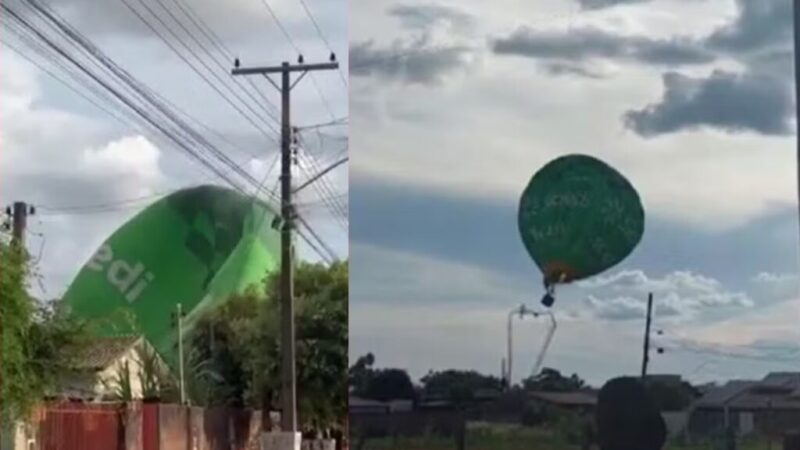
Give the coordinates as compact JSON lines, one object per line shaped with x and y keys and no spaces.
{"x":578,"y":217}
{"x":196,"y":247}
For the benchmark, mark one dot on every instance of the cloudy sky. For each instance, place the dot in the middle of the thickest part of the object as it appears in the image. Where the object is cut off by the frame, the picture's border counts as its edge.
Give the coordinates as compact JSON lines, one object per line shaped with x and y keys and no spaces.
{"x":456,"y":104}
{"x":88,"y":173}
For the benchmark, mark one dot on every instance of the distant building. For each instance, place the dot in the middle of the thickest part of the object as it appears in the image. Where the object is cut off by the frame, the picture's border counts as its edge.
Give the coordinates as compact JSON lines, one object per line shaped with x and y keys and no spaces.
{"x":769,"y":406}
{"x":101,"y":364}
{"x":357,"y":405}
{"x":583,"y":401}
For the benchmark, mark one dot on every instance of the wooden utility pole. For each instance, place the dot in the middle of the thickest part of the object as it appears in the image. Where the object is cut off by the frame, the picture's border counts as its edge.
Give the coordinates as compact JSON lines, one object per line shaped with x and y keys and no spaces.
{"x":289,"y":388}
{"x":646,"y":356}
{"x":19,"y":216}
{"x":797,"y":83}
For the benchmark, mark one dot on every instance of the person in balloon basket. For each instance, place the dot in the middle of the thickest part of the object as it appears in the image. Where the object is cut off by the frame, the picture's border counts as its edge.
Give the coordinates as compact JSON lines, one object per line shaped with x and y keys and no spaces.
{"x":627,"y":418}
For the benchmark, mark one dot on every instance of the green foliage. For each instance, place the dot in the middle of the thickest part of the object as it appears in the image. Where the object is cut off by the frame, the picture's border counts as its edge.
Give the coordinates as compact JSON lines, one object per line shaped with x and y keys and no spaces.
{"x":234,"y":352}
{"x":569,"y":427}
{"x":16,"y":316}
{"x":551,"y":380}
{"x":39,"y":342}
{"x":458,"y":386}
{"x":389,"y":384}
{"x":379,"y":384}
{"x":670,"y":397}
{"x":359,"y":374}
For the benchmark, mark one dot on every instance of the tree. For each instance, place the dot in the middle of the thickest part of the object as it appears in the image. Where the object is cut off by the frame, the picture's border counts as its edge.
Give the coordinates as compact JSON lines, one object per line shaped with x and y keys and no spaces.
{"x":236,"y":348}
{"x":458,"y":386}
{"x":551,"y":380}
{"x":39,"y":342}
{"x":17,"y":382}
{"x":670,"y":396}
{"x":379,"y":384}
{"x":389,"y":384}
{"x":360,"y":373}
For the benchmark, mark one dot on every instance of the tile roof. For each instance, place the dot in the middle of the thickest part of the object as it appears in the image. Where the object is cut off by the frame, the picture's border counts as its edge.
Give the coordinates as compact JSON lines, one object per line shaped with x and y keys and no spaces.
{"x":102,"y":352}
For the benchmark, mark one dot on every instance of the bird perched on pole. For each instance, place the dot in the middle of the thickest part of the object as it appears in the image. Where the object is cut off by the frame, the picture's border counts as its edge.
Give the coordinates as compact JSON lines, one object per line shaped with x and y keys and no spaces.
{"x":236,"y":63}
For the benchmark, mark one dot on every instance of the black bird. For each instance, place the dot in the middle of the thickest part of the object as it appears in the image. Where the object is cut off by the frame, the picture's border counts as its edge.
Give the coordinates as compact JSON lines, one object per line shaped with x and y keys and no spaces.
{"x":236,"y":63}
{"x":300,"y":59}
{"x":333,"y":57}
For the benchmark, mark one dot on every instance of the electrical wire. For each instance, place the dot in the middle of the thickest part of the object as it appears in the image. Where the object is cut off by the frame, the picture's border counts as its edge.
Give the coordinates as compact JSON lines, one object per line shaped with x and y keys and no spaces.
{"x":144,"y":108}
{"x":324,"y":39}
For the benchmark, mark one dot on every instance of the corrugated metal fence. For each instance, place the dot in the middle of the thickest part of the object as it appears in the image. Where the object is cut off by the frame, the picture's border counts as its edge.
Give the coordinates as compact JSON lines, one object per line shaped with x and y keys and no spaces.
{"x":75,"y":426}
{"x":136,"y":426}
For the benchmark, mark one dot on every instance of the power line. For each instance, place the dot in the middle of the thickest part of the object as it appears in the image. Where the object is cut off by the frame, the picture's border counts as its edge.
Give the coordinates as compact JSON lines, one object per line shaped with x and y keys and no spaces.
{"x":7,"y":10}
{"x":197,"y":71}
{"x":291,"y":42}
{"x":281,"y":27}
{"x":65,"y":83}
{"x":335,"y":122}
{"x":169,"y":11}
{"x":162,"y":125}
{"x":324,"y":39}
{"x":223,"y":49}
{"x":147,"y":107}
{"x":92,"y":206}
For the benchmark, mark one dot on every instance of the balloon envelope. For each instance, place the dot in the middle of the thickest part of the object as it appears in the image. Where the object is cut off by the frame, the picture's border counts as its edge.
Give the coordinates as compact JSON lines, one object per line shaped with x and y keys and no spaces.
{"x":196,"y":247}
{"x":579,"y":217}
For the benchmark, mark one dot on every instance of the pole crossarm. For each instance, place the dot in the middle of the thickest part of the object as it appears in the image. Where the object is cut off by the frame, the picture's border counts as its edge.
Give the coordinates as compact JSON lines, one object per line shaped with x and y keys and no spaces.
{"x":288,"y":68}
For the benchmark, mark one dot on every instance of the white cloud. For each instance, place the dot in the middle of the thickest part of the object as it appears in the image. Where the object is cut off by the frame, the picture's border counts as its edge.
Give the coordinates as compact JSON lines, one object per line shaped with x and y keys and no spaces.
{"x":55,"y":158}
{"x":421,"y":313}
{"x":678,"y":296}
{"x":485,"y":134}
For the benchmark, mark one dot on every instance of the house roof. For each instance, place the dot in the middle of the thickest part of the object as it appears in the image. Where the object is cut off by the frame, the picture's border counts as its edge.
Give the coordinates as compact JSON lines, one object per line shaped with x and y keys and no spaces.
{"x":102,"y":352}
{"x":779,"y":390}
{"x":575,"y":398}
{"x":721,"y":395}
{"x":358,"y":402}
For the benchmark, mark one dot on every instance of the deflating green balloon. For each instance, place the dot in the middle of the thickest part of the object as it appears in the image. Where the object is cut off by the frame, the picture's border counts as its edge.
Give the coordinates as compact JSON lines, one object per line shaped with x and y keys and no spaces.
{"x":579,"y":217}
{"x":196,"y":247}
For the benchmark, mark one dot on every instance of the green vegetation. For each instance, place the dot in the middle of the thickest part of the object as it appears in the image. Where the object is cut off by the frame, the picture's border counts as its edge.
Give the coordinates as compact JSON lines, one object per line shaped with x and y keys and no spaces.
{"x":512,"y":437}
{"x":234,"y":352}
{"x":39,"y":341}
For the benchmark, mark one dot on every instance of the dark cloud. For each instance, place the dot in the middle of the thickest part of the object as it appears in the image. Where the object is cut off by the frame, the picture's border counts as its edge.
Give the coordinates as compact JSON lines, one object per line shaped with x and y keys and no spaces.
{"x":567,"y":69}
{"x":758,"y":100}
{"x":416,"y":63}
{"x":591,"y":43}
{"x":760,"y":24}
{"x":601,"y":4}
{"x":729,"y":101}
{"x":426,"y":16}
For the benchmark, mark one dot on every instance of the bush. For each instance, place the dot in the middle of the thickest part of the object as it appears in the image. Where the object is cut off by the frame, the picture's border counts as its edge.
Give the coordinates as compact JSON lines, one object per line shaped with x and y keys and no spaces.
{"x":533,"y":415}
{"x":569,"y":427}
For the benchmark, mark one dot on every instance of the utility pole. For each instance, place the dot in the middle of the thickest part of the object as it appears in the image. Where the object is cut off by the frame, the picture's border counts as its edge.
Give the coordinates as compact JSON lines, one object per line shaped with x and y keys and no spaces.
{"x":646,"y":356}
{"x":289,"y":388}
{"x":180,"y":354}
{"x":19,"y":216}
{"x":177,"y":324}
{"x":797,"y":82}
